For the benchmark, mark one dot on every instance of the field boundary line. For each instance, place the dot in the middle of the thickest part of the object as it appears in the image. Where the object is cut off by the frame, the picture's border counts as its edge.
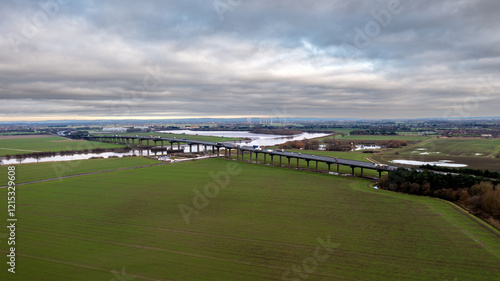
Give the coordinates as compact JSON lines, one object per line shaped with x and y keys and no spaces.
{"x":137,"y":246}
{"x":474,"y":218}
{"x":85,"y":266}
{"x":194,"y":233}
{"x":90,"y":173}
{"x":17,"y":149}
{"x":470,"y":235}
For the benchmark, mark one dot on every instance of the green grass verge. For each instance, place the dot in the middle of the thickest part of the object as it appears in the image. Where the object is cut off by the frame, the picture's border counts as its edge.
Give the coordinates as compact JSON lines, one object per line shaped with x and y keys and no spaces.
{"x":30,"y":145}
{"x":265,"y":221}
{"x":40,"y":171}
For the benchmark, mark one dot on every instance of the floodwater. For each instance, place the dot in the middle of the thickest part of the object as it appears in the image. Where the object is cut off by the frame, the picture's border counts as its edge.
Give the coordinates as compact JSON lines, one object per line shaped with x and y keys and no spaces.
{"x":57,"y":158}
{"x":257,"y":139}
{"x":441,"y":163}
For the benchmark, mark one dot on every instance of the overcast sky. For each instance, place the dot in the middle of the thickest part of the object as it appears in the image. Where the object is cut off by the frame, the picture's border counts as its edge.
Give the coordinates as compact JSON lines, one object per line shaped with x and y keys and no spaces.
{"x":226,"y":58}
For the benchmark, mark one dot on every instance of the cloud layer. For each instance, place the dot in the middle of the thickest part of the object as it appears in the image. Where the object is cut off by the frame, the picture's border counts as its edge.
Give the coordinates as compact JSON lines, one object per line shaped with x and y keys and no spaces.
{"x":196,"y":58}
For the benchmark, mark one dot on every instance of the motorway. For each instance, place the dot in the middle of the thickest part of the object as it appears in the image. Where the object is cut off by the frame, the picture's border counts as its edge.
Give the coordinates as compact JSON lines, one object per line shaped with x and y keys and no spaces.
{"x":250,"y":149}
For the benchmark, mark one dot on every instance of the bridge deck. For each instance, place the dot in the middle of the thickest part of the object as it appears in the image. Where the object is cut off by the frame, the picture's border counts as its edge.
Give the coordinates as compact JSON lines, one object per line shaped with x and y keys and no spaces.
{"x":306,"y":157}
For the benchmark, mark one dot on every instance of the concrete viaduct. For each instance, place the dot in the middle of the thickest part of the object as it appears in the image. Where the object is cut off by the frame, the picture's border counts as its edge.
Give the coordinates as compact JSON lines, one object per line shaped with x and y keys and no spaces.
{"x":242,"y":150}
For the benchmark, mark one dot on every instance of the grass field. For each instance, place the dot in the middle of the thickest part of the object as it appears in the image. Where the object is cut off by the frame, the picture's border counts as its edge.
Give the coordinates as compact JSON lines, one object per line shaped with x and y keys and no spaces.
{"x":39,"y":171}
{"x":476,"y":153}
{"x":29,"y":145}
{"x":462,"y":147}
{"x":126,"y":225}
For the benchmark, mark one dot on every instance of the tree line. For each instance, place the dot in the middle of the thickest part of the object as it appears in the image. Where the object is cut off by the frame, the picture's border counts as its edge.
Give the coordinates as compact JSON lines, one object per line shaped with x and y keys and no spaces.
{"x":468,"y":171}
{"x":478,"y":194}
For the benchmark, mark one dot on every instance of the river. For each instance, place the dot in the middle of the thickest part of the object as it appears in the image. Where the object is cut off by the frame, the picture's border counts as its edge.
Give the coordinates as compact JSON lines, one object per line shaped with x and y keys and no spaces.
{"x":256,"y":139}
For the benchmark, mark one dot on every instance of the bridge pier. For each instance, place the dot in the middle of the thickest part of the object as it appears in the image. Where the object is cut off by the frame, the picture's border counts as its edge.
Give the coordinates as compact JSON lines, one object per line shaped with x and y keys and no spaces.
{"x":338,"y":168}
{"x":178,"y":145}
{"x":307,"y":163}
{"x":272,"y":160}
{"x":352,"y":173}
{"x":288,"y":162}
{"x":250,"y":157}
{"x":171,"y":145}
{"x":316,"y":165}
{"x":190,"y":148}
{"x":328,"y":167}
{"x":265,"y":158}
{"x":379,"y":174}
{"x":297,"y":163}
{"x":361,"y":171}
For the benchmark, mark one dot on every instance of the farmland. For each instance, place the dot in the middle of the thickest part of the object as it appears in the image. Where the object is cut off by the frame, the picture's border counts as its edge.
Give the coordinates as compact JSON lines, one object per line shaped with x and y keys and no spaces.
{"x":476,"y":153}
{"x":462,"y":146}
{"x":264,"y":222}
{"x":39,"y":171}
{"x":29,"y":145}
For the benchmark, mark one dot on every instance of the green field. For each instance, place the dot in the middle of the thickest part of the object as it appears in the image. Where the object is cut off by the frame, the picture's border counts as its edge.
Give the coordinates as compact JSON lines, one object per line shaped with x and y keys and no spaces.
{"x":462,"y":147}
{"x":39,"y":171}
{"x":126,"y":225}
{"x":30,"y":145}
{"x":476,"y":153}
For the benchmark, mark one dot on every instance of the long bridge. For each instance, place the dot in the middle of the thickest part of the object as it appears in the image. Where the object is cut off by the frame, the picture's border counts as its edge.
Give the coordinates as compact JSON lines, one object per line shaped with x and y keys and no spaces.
{"x":241,"y":150}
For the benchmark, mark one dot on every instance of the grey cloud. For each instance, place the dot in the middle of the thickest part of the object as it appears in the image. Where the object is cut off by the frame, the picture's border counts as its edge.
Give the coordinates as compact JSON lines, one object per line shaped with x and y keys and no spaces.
{"x":178,"y":58}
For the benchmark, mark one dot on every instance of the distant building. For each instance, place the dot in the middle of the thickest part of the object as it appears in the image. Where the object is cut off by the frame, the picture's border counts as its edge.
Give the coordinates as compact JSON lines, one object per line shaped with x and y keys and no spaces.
{"x":486,"y":135}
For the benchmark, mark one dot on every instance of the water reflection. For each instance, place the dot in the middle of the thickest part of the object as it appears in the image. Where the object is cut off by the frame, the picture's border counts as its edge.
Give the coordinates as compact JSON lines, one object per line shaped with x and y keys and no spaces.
{"x":256,"y":139}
